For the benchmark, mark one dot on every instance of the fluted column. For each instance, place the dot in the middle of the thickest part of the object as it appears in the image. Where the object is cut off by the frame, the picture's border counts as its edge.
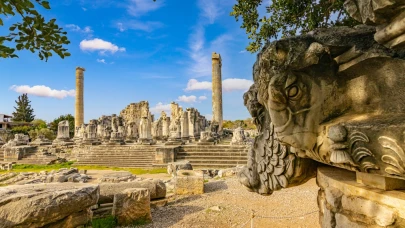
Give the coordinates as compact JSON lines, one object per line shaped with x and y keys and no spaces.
{"x":217,"y":90}
{"x":79,"y":105}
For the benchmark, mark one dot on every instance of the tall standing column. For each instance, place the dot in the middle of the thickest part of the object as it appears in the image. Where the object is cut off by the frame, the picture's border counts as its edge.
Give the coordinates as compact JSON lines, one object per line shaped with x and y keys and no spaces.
{"x":79,"y":106}
{"x":217,"y":90}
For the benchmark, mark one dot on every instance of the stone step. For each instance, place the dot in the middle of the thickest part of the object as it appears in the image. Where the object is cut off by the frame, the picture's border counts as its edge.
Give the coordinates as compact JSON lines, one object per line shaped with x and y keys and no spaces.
{"x":116,"y":160}
{"x":211,"y":153}
{"x":212,"y":166}
{"x":212,"y":157}
{"x":117,"y":155}
{"x":126,"y":154}
{"x":121,"y":165}
{"x":209,"y":161}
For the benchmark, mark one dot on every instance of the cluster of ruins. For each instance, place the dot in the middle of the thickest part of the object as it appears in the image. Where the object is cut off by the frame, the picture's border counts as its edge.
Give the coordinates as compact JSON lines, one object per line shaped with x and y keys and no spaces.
{"x":136,"y":124}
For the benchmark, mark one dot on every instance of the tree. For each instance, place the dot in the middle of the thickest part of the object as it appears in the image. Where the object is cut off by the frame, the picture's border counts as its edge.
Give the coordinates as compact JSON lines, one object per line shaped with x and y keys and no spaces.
{"x":23,"y":111}
{"x":54,"y":124}
{"x":39,"y":124}
{"x":47,"y":133}
{"x":33,"y":33}
{"x":288,"y":18}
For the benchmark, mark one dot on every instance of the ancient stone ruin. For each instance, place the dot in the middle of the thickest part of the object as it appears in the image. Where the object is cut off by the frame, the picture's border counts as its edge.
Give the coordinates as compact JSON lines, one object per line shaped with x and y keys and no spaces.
{"x":334,"y":96}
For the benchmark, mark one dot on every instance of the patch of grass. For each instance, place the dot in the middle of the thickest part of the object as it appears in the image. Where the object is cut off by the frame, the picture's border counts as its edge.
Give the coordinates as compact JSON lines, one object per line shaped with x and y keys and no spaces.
{"x":140,"y":222}
{"x":108,"y":222}
{"x":38,"y":168}
{"x":206,"y":181}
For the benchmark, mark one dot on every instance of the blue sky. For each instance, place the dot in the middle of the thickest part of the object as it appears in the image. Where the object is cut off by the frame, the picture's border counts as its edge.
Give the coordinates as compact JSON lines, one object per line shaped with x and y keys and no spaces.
{"x":134,"y":50}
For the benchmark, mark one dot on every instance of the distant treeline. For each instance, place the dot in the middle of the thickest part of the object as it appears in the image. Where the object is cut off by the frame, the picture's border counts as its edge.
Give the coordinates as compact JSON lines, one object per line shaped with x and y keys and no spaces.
{"x":245,"y":124}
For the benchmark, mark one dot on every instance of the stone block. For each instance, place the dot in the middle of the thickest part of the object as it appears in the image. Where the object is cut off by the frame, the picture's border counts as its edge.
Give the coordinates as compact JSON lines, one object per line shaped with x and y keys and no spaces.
{"x":382,"y":215}
{"x":326,"y":216}
{"x":132,"y":205}
{"x":172,"y":167}
{"x":157,"y":189}
{"x":189,"y":182}
{"x":344,"y":222}
{"x":380,"y":182}
{"x":333,"y":196}
{"x":165,"y":155}
{"x":43,"y":205}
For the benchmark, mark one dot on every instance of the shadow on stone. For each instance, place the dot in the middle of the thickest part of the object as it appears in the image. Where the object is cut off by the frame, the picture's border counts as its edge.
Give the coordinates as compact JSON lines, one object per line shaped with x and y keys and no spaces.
{"x":215,"y":186}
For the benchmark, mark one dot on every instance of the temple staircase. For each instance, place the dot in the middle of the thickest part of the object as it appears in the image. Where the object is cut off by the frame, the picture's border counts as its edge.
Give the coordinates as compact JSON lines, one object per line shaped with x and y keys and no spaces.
{"x":126,"y":156}
{"x":35,"y":157}
{"x":213,"y":156}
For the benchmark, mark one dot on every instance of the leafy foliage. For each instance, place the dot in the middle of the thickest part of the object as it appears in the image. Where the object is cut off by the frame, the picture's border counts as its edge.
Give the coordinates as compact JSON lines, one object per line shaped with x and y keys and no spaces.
{"x":33,"y":33}
{"x":69,"y":117}
{"x":245,"y":124}
{"x":39,"y":124}
{"x":21,"y":130}
{"x":48,"y":133}
{"x":288,"y":18}
{"x":23,"y":111}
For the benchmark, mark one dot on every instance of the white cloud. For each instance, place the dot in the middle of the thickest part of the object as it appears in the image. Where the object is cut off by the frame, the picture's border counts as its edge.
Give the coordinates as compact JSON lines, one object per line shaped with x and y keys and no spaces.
{"x":101,"y":61}
{"x":75,"y":28}
{"x":201,"y":55}
{"x":243,"y":51}
{"x":140,"y":7}
{"x":147,"y":26}
{"x":187,"y":99}
{"x":201,"y":98}
{"x":194,"y":84}
{"x":84,"y":9}
{"x":230,"y":84}
{"x":210,"y":9}
{"x":159,"y":107}
{"x":43,"y":91}
{"x":99,"y":45}
{"x":201,"y":61}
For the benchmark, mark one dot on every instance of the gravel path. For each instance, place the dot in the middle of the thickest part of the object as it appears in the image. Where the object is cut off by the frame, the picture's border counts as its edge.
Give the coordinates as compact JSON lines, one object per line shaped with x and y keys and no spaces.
{"x":235,"y":205}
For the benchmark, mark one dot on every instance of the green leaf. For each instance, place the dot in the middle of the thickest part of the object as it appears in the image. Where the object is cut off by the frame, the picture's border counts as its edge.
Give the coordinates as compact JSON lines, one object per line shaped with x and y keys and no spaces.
{"x":45,"y":4}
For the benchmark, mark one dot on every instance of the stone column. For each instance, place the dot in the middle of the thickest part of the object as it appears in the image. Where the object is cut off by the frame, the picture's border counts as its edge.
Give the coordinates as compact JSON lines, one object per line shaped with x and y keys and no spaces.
{"x":79,"y":109}
{"x":184,"y":126}
{"x":166,"y":124}
{"x":217,"y":90}
{"x":191,"y":122}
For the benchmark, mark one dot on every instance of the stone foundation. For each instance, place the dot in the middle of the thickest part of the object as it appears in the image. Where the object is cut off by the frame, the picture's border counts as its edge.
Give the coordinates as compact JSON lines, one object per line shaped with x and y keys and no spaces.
{"x":345,"y":203}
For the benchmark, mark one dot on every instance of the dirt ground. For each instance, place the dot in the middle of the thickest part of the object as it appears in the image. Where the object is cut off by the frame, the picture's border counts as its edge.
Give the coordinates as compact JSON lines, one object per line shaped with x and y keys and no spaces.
{"x":235,"y":205}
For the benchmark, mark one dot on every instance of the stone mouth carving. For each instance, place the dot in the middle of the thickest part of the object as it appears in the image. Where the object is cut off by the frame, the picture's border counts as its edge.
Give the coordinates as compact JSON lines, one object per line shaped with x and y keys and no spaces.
{"x":332,"y":96}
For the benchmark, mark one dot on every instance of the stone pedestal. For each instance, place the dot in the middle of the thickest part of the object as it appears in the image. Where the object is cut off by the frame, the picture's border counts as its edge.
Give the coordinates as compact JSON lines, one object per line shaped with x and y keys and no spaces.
{"x":189,"y":182}
{"x":345,"y":203}
{"x":116,"y":139}
{"x":131,"y":206}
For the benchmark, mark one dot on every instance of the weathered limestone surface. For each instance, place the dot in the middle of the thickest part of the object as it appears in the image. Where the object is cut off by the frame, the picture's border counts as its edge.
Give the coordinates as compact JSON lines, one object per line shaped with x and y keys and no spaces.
{"x":157,"y":189}
{"x":334,"y":96}
{"x":173,"y":167}
{"x":217,"y":90}
{"x":345,"y":203}
{"x":53,"y":205}
{"x":238,"y":137}
{"x":132,"y":205}
{"x":387,"y":15}
{"x":189,"y":182}
{"x":79,"y":105}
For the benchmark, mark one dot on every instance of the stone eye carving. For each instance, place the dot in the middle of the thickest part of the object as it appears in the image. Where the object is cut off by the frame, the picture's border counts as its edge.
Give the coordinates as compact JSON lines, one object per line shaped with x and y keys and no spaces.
{"x":293,"y":92}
